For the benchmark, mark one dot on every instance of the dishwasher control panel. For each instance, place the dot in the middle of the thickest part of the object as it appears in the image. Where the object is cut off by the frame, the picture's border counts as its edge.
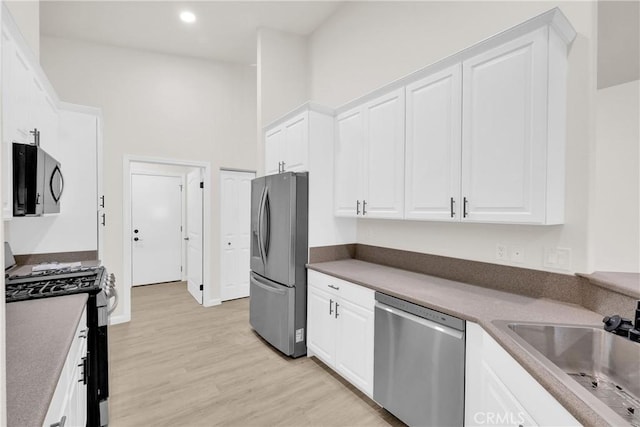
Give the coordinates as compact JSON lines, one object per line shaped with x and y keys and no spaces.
{"x":424,"y":312}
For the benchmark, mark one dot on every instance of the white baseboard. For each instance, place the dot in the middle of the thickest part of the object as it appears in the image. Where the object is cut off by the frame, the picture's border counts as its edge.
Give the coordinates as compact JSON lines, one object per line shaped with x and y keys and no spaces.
{"x":212,"y":302}
{"x":123,"y":318}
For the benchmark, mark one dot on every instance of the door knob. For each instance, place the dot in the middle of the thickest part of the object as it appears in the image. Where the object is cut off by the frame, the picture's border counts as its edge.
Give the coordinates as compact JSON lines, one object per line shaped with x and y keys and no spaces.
{"x":229,"y":243}
{"x":135,"y":231}
{"x":135,"y":239}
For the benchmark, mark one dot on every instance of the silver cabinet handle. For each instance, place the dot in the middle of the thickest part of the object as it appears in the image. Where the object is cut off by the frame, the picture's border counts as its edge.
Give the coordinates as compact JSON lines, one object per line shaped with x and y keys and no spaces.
{"x":464,"y":207}
{"x":60,"y":423}
{"x":337,"y":288}
{"x":451,"y":205}
{"x":330,"y":308}
{"x":357,"y":207}
{"x":364,"y":207}
{"x":337,"y":305}
{"x":283,"y":163}
{"x":102,"y":201}
{"x":104,"y":219}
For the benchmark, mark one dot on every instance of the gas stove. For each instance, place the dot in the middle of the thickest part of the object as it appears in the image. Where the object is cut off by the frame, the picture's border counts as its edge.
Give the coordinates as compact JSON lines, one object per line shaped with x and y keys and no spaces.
{"x":23,"y":284}
{"x":34,"y":274}
{"x":54,"y":283}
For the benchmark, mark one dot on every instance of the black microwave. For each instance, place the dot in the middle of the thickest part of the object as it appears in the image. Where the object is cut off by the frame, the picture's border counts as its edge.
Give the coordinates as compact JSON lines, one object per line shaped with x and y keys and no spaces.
{"x":37,"y":181}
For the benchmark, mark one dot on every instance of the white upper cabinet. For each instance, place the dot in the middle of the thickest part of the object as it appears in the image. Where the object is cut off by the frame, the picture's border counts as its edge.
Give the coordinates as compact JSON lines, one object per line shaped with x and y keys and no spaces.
{"x":482,"y":140}
{"x":432,"y":165}
{"x":348,"y":163}
{"x":286,"y":145}
{"x":384,"y":154}
{"x":296,"y":144}
{"x":273,"y":141}
{"x":504,"y":138}
{"x":28,"y":103}
{"x":369,"y":159}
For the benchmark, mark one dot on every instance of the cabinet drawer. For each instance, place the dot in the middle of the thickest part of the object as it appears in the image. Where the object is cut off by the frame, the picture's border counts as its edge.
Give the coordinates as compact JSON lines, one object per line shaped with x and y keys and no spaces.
{"x":351,"y":292}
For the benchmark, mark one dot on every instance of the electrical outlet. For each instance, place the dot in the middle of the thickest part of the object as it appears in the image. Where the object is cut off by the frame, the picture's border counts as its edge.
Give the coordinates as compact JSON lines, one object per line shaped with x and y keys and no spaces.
{"x":517,"y":254}
{"x":501,"y":252}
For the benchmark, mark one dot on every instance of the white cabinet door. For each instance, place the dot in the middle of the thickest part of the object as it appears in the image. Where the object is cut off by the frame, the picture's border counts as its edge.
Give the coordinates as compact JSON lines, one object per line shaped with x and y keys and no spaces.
{"x":504,"y":132}
{"x":23,"y":87}
{"x":7,"y":128}
{"x":48,"y":125}
{"x":340,"y":325}
{"x":321,"y":325}
{"x":498,"y":391}
{"x":69,"y":400}
{"x":384,"y":157}
{"x":273,"y":142}
{"x":433,"y":139}
{"x":286,"y":146}
{"x":348,"y":173}
{"x":296,"y":144}
{"x":354,"y":349}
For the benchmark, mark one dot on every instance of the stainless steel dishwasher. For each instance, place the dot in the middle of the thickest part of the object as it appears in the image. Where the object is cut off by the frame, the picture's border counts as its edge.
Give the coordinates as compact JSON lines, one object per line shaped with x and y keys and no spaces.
{"x":418,"y":363}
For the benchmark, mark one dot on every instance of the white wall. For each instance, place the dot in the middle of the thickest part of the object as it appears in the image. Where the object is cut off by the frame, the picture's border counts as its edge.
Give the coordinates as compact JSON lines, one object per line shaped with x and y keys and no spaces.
{"x":160,"y":106}
{"x":282,"y":79}
{"x":282,"y":66}
{"x":365,"y":45}
{"x":616,"y":238}
{"x":26,"y":14}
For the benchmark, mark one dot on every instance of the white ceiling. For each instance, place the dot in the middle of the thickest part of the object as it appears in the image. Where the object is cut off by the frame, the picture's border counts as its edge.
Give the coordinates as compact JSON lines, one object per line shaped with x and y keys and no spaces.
{"x":224,"y":30}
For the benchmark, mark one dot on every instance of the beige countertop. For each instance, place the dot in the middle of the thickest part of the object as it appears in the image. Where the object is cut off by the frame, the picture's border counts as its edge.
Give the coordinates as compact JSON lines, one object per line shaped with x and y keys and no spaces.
{"x":482,"y":306}
{"x":39,"y":334}
{"x":625,"y":283}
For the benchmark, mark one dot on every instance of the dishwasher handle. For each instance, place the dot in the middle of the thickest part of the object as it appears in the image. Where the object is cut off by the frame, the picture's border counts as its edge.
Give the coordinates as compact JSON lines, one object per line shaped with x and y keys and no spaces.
{"x":420,"y":320}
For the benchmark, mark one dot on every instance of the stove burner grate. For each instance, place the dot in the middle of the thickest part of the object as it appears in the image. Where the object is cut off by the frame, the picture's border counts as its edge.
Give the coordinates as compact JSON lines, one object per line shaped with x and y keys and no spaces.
{"x":49,"y":286}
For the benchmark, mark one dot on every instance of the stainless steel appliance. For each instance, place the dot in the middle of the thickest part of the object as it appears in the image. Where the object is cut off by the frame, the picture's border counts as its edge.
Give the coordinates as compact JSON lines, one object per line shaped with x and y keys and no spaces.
{"x":23,"y":284}
{"x":37,"y":181}
{"x":279,"y":251}
{"x":418,"y":363}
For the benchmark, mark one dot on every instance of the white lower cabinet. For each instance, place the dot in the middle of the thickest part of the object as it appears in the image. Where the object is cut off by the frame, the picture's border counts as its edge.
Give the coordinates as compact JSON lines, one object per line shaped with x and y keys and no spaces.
{"x":68,"y":406}
{"x":340,"y":327}
{"x":498,"y":391}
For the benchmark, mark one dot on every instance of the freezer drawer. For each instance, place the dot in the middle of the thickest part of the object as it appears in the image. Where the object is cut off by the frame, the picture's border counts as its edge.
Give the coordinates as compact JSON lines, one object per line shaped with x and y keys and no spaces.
{"x":418,"y":364}
{"x":271,"y":312}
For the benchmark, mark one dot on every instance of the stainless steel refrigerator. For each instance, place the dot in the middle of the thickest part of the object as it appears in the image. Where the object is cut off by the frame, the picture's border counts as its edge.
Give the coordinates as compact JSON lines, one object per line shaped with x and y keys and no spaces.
{"x":279,"y":250}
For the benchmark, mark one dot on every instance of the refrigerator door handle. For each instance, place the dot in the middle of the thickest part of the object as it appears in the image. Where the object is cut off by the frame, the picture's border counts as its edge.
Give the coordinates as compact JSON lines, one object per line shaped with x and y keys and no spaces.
{"x":267,"y":212}
{"x":260,"y":211}
{"x":267,"y":287}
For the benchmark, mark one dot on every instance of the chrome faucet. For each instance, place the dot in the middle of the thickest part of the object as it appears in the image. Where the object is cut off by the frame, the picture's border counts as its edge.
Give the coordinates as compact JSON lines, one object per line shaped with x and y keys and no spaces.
{"x":624,"y":327}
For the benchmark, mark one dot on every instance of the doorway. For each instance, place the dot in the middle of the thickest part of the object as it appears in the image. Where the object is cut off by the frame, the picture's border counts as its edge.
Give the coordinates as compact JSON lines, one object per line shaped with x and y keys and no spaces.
{"x":156,"y":219}
{"x":147,"y":181}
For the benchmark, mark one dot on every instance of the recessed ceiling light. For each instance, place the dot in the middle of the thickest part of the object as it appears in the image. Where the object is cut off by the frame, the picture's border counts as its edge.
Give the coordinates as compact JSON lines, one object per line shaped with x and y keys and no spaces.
{"x":188,"y":17}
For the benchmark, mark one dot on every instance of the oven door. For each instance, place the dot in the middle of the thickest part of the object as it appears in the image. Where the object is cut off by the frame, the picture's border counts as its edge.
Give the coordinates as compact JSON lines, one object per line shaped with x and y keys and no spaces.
{"x":98,"y":409}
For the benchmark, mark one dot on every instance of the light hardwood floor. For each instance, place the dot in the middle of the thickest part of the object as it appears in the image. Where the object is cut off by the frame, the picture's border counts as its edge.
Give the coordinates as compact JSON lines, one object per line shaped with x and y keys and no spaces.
{"x":178,"y":364}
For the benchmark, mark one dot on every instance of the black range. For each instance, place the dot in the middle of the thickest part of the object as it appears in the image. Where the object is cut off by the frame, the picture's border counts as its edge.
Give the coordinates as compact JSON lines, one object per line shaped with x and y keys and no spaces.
{"x":100,"y":286}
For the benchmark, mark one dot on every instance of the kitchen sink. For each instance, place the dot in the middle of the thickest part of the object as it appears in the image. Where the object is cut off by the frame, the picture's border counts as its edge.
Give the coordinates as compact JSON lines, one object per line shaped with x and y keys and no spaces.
{"x":589,"y":358}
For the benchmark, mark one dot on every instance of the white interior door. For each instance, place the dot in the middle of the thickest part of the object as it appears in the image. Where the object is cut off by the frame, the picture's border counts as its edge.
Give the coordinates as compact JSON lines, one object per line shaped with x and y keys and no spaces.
{"x":194,"y":234}
{"x":156,"y":218}
{"x":235,"y":225}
